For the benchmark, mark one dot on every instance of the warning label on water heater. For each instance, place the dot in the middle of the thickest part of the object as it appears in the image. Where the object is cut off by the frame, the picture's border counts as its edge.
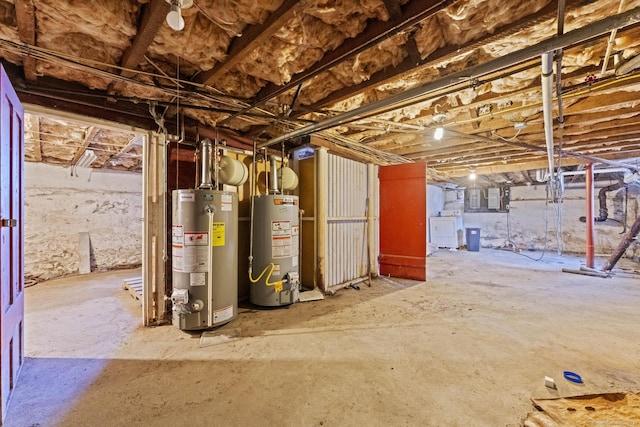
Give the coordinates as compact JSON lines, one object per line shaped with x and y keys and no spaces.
{"x":281,"y":241}
{"x":217,"y":233}
{"x":226,"y":204}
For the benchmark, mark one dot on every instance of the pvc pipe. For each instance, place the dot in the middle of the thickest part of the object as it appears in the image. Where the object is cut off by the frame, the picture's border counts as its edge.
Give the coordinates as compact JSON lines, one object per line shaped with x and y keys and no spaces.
{"x":607,"y":170}
{"x":590,"y":208}
{"x":547,"y":105}
{"x":406,"y":97}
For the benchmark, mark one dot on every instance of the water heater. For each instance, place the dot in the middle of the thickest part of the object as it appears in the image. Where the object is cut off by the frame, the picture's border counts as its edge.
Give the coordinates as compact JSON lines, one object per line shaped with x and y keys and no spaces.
{"x":204,"y":253}
{"x":275,"y":248}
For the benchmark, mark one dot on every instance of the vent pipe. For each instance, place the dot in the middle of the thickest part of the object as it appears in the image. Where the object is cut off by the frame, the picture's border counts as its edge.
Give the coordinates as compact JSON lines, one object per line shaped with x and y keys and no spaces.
{"x":274,"y":175}
{"x":205,"y":164}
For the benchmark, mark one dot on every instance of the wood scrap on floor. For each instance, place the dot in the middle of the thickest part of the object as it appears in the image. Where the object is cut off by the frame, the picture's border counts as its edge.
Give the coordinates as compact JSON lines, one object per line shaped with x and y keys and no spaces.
{"x":134,"y":286}
{"x":594,"y":409}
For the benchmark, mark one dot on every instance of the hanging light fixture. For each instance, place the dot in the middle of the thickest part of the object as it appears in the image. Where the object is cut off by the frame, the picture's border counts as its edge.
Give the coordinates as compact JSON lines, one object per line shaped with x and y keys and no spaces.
{"x":439,"y":118}
{"x":472,"y":175}
{"x":174,"y":17}
{"x":439,"y":133}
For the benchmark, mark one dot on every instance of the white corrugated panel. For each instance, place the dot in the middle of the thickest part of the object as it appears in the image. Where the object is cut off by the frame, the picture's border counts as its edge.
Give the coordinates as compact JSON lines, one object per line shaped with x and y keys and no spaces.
{"x":347,"y":253}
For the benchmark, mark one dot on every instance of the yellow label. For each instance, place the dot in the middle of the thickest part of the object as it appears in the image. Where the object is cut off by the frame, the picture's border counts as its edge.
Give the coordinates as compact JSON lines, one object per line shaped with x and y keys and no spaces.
{"x":217,"y":234}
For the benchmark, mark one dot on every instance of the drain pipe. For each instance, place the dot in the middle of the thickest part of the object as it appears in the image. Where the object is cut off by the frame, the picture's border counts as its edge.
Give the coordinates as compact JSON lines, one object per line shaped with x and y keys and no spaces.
{"x":547,"y":105}
{"x":590,"y":186}
{"x":602,"y":201}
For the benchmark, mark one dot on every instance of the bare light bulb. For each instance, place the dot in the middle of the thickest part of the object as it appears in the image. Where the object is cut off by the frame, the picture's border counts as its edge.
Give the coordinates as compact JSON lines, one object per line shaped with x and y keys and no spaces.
{"x":174,"y":17}
{"x":472,"y":176}
{"x":439,"y":133}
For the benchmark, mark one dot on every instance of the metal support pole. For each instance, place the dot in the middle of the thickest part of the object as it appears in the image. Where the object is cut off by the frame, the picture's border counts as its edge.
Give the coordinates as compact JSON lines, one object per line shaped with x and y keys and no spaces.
{"x":590,"y":214}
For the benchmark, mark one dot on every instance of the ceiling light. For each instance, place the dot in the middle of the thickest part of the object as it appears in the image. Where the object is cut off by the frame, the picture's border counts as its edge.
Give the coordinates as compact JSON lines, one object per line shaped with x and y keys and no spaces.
{"x":174,"y":17}
{"x":472,"y":175}
{"x":439,"y":118}
{"x":86,"y":159}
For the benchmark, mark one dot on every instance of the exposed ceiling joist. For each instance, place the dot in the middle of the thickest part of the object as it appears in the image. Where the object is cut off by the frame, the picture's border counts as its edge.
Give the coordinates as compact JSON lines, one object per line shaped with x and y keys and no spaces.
{"x":26,"y":19}
{"x":89,"y":134}
{"x":153,"y":17}
{"x":409,"y":64}
{"x":251,"y":38}
{"x":414,"y":94}
{"x":412,"y":13}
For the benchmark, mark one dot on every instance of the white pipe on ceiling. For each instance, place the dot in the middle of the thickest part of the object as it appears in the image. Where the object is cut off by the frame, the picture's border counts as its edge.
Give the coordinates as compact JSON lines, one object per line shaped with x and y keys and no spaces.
{"x":547,"y":105}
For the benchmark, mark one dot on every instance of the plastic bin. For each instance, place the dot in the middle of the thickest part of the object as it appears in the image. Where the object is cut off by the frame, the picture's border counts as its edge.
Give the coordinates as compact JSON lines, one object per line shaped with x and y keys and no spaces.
{"x":473,"y":239}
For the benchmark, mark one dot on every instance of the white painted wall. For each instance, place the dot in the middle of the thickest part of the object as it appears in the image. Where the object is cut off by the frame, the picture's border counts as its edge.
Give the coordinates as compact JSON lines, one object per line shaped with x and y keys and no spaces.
{"x":530,"y":216}
{"x":58,"y":206}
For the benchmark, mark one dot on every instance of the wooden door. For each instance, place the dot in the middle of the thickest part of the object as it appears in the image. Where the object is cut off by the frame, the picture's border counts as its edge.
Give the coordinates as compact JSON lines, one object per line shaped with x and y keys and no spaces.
{"x":11,"y":239}
{"x":403,"y":220}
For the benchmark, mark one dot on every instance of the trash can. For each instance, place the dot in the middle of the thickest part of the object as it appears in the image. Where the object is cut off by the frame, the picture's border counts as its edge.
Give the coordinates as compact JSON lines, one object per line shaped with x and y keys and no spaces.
{"x":473,"y":239}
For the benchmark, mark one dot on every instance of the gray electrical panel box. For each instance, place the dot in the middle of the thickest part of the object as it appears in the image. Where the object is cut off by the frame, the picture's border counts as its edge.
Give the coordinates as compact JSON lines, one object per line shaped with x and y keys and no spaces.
{"x":493,"y":200}
{"x":474,"y":198}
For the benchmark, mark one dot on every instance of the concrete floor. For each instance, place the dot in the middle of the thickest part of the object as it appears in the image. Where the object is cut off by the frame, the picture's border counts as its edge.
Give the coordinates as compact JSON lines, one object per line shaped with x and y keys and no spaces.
{"x":470,"y":347}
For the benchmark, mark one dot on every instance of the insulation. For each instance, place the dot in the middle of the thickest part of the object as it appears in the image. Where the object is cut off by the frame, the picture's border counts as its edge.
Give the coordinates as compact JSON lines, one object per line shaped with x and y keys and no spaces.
{"x":97,"y":34}
{"x":233,"y":15}
{"x":196,"y":48}
{"x":60,"y":140}
{"x":277,"y":61}
{"x":102,"y":30}
{"x":349,"y":17}
{"x":239,"y":85}
{"x":388,"y":53}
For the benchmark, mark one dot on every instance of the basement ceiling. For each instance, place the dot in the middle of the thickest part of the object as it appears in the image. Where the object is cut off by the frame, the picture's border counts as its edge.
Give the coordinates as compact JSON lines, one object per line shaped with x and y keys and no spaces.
{"x":368,"y":79}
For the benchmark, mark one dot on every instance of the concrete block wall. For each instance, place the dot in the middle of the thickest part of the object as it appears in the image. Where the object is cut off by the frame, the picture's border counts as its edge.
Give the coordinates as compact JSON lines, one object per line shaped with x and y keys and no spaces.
{"x":59,"y":206}
{"x":532,"y":222}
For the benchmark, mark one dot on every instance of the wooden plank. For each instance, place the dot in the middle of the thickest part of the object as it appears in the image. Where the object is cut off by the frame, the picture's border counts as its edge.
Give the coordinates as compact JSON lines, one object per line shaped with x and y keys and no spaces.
{"x":134,"y":287}
{"x":153,"y":17}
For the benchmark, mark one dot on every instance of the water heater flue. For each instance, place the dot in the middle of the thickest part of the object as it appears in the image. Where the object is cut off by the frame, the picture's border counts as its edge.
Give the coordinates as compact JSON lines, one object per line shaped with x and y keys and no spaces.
{"x":205,"y":164}
{"x":274,"y":178}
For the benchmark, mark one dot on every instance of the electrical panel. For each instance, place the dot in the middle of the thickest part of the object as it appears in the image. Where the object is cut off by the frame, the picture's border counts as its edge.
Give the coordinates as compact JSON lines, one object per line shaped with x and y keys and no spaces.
{"x":493,"y":199}
{"x":475,"y":201}
{"x":487,"y":199}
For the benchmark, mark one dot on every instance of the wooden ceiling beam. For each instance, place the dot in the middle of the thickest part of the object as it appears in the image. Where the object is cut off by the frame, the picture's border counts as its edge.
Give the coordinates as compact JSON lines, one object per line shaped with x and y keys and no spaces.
{"x":252,"y":36}
{"x":460,"y":171}
{"x":413,"y":12}
{"x":26,"y":19}
{"x":153,"y":17}
{"x":441,"y":54}
{"x":623,"y":150}
{"x":89,"y":134}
